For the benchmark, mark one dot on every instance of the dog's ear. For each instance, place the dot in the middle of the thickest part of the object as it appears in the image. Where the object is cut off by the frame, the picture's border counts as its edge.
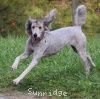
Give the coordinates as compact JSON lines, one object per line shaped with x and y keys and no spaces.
{"x":28,"y":26}
{"x":50,"y":17}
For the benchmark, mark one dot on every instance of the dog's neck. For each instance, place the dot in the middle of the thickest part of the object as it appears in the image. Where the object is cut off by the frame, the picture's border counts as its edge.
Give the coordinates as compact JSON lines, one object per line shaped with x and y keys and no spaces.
{"x":34,"y":40}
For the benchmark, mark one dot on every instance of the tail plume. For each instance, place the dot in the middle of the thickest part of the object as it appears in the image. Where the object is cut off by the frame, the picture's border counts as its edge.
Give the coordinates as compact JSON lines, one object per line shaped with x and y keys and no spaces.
{"x":80,"y":16}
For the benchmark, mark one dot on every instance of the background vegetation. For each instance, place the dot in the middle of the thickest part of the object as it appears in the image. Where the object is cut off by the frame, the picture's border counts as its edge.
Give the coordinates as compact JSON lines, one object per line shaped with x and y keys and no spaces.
{"x":64,"y":71}
{"x":14,"y":13}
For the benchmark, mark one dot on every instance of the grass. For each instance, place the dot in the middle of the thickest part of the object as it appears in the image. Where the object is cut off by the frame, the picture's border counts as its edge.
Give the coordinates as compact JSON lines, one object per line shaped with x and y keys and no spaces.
{"x":63,"y":71}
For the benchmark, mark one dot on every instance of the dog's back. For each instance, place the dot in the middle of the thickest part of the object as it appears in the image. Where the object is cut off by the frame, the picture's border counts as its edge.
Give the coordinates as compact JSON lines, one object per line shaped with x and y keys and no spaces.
{"x":72,"y":35}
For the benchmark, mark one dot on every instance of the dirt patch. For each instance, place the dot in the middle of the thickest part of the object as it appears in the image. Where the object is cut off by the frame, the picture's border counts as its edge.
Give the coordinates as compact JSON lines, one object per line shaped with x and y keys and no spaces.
{"x":19,"y":95}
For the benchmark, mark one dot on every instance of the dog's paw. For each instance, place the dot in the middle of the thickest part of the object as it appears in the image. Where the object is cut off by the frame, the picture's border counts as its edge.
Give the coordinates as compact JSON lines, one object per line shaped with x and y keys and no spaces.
{"x":15,"y":81}
{"x":14,"y":67}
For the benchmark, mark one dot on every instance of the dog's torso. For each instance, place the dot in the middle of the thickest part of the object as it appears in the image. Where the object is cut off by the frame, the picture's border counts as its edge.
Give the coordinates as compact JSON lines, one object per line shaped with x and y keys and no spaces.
{"x":55,"y":40}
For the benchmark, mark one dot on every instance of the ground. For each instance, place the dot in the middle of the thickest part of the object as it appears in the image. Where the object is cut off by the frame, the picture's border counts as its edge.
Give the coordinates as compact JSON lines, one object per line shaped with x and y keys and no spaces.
{"x":18,"y":95}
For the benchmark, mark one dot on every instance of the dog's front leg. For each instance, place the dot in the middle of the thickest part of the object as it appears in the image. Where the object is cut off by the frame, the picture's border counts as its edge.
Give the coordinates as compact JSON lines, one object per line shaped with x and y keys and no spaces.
{"x":22,"y":56}
{"x":32,"y":64}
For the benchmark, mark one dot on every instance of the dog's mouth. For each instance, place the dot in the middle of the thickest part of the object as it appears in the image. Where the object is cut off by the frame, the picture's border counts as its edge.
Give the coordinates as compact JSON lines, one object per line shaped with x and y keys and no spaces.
{"x":33,"y":38}
{"x":36,"y":38}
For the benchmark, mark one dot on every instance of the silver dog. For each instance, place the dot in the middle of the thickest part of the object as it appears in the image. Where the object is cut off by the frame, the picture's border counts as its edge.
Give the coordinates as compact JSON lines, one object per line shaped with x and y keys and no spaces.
{"x":45,"y":43}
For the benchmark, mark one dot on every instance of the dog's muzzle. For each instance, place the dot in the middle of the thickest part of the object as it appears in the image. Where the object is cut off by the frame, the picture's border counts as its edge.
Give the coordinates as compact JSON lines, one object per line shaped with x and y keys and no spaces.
{"x":35,"y":38}
{"x":35,"y":35}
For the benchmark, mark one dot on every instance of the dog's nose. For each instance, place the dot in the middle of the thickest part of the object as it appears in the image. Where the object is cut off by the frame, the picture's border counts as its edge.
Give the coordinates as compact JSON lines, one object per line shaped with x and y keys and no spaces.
{"x":35,"y":35}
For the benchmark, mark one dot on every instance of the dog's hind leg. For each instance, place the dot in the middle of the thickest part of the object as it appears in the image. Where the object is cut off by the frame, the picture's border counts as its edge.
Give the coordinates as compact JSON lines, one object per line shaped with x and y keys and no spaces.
{"x":90,"y":60}
{"x":83,"y":55}
{"x":88,"y":57}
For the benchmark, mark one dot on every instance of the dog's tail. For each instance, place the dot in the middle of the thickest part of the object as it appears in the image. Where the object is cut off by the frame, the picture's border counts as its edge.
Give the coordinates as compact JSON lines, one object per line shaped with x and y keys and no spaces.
{"x":80,"y":16}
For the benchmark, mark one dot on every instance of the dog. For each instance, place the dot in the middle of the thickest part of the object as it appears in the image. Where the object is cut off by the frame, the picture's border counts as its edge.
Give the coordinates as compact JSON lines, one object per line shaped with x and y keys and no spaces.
{"x":45,"y":43}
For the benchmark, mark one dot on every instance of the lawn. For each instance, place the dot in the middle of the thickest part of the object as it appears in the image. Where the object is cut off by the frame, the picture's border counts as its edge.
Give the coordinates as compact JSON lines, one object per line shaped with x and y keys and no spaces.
{"x":62,"y":72}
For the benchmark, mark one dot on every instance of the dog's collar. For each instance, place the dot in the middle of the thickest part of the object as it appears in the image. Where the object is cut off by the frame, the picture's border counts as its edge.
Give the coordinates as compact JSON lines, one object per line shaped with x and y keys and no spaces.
{"x":42,"y":36}
{"x":33,"y":39}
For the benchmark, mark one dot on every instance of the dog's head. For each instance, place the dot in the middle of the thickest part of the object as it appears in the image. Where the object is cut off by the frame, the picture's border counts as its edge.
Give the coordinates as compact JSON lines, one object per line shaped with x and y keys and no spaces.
{"x":36,"y":27}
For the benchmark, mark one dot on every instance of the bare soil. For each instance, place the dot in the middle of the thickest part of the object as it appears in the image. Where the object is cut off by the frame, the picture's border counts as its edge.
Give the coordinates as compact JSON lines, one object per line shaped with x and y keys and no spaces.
{"x":18,"y":95}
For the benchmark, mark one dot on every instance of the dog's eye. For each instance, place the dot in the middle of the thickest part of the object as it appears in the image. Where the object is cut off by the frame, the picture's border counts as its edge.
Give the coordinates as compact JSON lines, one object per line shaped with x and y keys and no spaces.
{"x":40,"y":27}
{"x":33,"y":27}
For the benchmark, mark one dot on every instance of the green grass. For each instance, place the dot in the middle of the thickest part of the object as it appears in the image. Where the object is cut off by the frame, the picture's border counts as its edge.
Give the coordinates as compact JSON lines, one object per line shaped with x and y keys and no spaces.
{"x":63,"y":71}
